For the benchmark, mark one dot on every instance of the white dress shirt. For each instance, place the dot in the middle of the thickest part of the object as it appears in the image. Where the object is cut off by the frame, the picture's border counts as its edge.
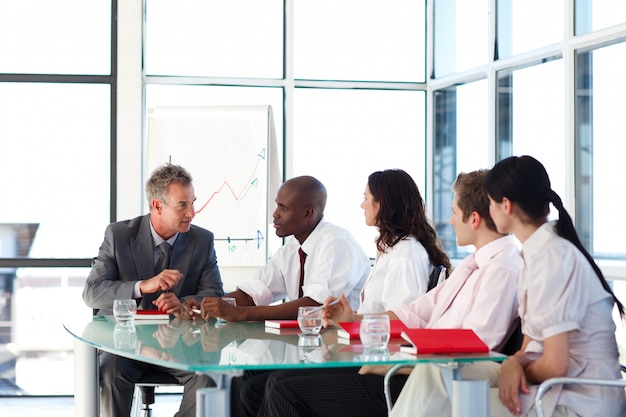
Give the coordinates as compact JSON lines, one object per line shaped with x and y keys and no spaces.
{"x":399,"y":276}
{"x":335,"y":264}
{"x":483,"y":299}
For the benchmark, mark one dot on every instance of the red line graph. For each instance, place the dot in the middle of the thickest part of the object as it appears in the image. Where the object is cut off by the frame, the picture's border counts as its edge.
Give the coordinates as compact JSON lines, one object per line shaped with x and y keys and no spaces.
{"x":251,"y":182}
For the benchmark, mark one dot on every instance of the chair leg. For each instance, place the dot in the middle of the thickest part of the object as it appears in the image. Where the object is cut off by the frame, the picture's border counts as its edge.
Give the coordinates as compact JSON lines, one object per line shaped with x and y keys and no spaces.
{"x":147,"y":395}
{"x":144,"y":397}
{"x":147,"y":398}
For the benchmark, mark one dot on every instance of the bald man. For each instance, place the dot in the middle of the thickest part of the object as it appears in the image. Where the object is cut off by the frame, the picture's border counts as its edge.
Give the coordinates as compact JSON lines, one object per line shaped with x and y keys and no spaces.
{"x":334,"y":263}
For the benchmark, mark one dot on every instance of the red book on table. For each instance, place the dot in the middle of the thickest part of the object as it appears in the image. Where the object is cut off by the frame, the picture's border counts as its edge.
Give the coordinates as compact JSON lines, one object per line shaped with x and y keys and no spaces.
{"x":351,"y":329}
{"x":151,"y":316}
{"x":443,"y":341}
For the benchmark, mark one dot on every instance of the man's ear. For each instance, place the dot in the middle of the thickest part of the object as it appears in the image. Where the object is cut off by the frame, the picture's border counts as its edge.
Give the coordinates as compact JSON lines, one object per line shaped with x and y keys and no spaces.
{"x":156,"y":205}
{"x":476,"y":220}
{"x":309,"y":212}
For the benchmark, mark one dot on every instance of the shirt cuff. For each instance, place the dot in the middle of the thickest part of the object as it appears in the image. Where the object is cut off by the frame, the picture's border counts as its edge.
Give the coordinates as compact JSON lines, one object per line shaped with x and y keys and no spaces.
{"x":261,"y":295}
{"x":137,"y":291}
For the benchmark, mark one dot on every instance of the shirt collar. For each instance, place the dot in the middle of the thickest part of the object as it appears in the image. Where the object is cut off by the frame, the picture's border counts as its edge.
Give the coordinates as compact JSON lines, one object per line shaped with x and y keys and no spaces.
{"x":157,"y":240}
{"x":538,"y":239}
{"x":491,"y":249}
{"x":311,"y":240}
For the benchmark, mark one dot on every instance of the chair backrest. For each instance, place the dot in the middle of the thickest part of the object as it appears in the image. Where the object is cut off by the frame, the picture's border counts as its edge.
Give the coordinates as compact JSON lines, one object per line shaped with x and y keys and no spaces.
{"x":514,"y":342}
{"x":437,"y":276}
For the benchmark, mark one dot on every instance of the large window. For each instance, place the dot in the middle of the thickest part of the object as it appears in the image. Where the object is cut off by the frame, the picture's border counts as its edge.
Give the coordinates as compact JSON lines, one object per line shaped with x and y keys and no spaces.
{"x":346,"y":92}
{"x":600,"y":146}
{"x":460,"y":36}
{"x":553,"y":97}
{"x":531,"y":111}
{"x":460,"y":144}
{"x":56,"y":136}
{"x":547,"y":94}
{"x":236,"y":38}
{"x":367,"y":40}
{"x":523,"y":26}
{"x":378,"y":129}
{"x":60,"y":37}
{"x":593,"y":15}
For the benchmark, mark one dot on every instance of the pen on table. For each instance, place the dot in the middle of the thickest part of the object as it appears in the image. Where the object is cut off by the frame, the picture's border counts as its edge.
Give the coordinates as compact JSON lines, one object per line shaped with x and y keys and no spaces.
{"x":332,"y":303}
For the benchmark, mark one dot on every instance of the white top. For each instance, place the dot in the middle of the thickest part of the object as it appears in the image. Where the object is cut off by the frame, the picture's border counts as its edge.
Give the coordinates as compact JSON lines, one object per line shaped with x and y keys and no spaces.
{"x":399,"y":276}
{"x":335,"y":264}
{"x":560,"y":292}
{"x":482,"y":299}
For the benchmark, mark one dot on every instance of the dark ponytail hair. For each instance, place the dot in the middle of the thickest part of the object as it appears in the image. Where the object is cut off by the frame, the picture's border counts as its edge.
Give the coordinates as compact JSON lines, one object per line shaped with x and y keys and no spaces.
{"x":524,"y":181}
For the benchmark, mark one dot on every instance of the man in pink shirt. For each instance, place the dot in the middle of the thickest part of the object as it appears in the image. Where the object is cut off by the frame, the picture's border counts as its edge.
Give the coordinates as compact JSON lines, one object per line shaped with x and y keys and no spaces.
{"x":480,"y":294}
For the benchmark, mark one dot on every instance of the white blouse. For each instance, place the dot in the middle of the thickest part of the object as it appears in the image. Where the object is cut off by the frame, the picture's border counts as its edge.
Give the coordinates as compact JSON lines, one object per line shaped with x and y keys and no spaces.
{"x":399,"y":276}
{"x":560,"y":292}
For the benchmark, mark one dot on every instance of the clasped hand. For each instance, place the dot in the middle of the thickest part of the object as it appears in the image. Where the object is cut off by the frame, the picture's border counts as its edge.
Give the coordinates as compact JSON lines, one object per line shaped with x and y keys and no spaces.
{"x":216,"y":307}
{"x":164,"y":281}
{"x":209,"y":307}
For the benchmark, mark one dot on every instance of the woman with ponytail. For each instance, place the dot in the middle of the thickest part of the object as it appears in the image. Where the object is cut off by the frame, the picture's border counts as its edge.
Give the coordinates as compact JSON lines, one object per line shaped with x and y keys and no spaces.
{"x":565,"y":303}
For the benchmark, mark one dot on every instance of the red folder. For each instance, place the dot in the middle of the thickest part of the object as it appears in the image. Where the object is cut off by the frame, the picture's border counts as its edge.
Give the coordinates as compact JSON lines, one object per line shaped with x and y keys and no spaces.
{"x":443,"y":341}
{"x":351,"y":329}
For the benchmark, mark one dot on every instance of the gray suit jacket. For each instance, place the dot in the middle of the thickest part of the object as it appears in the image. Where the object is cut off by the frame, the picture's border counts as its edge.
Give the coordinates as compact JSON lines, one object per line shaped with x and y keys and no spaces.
{"x":126,"y":256}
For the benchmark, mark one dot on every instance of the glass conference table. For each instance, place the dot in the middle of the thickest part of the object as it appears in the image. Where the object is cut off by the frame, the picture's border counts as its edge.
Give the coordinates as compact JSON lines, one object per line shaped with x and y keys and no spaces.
{"x":222,"y":351}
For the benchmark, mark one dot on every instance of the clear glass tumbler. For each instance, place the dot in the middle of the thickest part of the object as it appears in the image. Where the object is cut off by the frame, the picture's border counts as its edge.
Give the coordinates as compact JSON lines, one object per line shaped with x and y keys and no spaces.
{"x":310,"y":320}
{"x":125,"y":310}
{"x":374,"y":331}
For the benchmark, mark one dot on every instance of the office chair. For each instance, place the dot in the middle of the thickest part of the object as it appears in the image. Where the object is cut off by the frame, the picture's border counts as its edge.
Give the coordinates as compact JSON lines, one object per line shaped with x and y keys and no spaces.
{"x":436,"y":277}
{"x":549,"y":383}
{"x":145,"y":387}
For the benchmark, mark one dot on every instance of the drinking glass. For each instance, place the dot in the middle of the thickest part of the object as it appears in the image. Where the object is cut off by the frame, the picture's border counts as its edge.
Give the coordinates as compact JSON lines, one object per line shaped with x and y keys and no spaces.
{"x":231,"y":301}
{"x":125,"y":310}
{"x":310,"y":320}
{"x":374,"y":331}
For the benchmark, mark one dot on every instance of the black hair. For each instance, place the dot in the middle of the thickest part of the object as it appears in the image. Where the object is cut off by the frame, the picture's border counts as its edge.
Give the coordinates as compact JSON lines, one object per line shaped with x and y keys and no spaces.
{"x":524,"y":181}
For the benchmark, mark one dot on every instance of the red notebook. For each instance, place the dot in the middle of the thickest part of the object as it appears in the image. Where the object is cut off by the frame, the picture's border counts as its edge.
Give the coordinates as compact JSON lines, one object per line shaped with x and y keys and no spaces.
{"x":443,"y":341}
{"x":351,"y":329}
{"x":151,"y":317}
{"x":281,"y":324}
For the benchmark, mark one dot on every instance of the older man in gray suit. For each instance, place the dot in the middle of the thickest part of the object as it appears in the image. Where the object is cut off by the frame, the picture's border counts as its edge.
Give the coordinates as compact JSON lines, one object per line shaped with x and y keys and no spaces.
{"x":160,"y":260}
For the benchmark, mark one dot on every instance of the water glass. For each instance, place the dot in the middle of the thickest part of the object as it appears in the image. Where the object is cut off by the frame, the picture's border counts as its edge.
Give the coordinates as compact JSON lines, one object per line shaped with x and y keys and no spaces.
{"x":125,"y":310}
{"x":229,"y":300}
{"x":374,"y":331}
{"x":310,"y":320}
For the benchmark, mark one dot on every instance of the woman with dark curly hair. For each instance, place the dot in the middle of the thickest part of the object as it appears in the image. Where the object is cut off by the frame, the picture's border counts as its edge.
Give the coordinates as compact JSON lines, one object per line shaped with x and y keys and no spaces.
{"x":407,"y":244}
